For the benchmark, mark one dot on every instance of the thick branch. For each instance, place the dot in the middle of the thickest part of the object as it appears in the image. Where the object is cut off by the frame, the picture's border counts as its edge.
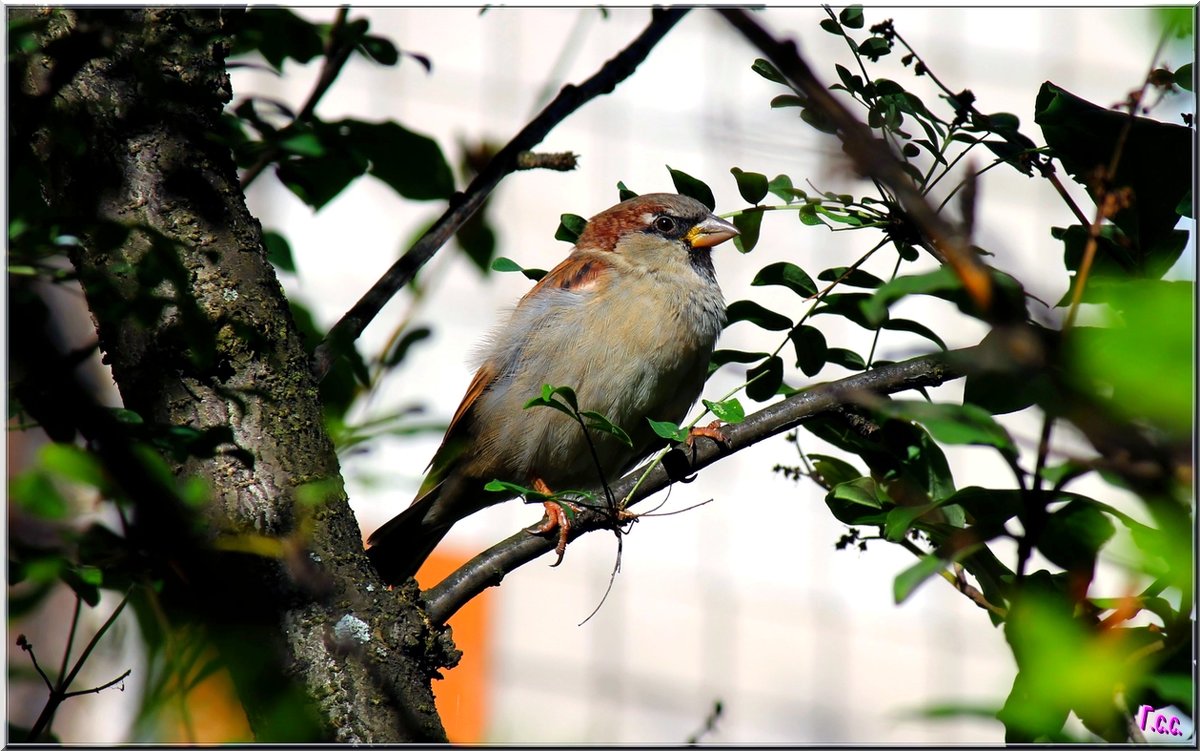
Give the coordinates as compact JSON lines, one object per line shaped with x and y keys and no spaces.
{"x":196,"y":328}
{"x":489,"y":567}
{"x":463,"y":205}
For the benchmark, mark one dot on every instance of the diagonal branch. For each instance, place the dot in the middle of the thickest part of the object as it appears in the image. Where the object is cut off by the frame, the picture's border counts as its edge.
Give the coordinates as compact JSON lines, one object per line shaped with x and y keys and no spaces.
{"x":489,"y":567}
{"x":463,"y":205}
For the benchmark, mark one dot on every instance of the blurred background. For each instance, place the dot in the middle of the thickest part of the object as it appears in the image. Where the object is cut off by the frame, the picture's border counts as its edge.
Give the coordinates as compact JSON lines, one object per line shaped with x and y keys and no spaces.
{"x":737,"y":621}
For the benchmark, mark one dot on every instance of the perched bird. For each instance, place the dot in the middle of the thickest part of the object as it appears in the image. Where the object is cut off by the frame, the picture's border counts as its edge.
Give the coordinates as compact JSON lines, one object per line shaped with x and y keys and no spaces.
{"x":628,"y":320}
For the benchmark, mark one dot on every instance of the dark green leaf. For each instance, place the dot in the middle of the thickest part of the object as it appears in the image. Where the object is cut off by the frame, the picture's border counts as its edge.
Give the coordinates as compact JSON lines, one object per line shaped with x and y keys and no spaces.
{"x":833,"y":471}
{"x":692,"y":188}
{"x":380,"y":50}
{"x":852,"y":16}
{"x":819,"y":120}
{"x":787,"y":275}
{"x":903,"y":324}
{"x":570,"y":227}
{"x":810,"y":349}
{"x":767,"y":71}
{"x":808,"y":215}
{"x":1183,"y":77}
{"x":279,"y":251}
{"x":624,"y":193}
{"x":831,"y":26}
{"x":410,"y":163}
{"x":953,"y":423}
{"x":909,"y":579}
{"x":1155,"y":161}
{"x":748,"y":224}
{"x":1074,"y":534}
{"x":781,"y":186}
{"x":844,"y":357}
{"x":399,"y":350}
{"x":500,"y":486}
{"x":787,"y":100}
{"x":765,"y":379}
{"x":851,"y":278}
{"x":752,"y":185}
{"x":277,"y":34}
{"x":874,"y":48}
{"x":849,"y":305}
{"x":747,"y":310}
{"x":597,"y":421}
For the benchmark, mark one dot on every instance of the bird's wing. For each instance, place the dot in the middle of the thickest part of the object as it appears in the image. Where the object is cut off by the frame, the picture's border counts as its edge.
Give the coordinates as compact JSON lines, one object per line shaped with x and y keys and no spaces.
{"x":581,"y":273}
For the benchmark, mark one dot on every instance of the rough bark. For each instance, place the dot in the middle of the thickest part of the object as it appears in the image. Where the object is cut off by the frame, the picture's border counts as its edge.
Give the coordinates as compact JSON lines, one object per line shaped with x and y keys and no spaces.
{"x":197,"y":331}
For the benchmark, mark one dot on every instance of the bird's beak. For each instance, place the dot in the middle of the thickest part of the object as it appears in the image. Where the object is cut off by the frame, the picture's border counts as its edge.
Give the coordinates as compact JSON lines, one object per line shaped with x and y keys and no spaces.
{"x":709,"y":232}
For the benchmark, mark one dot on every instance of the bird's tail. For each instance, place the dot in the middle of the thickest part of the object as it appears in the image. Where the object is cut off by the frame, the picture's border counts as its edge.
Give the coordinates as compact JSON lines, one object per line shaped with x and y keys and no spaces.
{"x":399,"y":547}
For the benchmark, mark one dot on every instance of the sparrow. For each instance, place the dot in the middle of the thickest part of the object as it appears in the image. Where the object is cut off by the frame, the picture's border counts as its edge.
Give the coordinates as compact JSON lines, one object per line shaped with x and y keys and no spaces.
{"x":628,"y":320}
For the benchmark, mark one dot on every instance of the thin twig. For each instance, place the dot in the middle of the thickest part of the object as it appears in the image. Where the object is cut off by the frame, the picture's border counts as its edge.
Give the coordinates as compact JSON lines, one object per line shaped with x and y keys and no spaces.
{"x":489,"y":567}
{"x":100,"y":688}
{"x":337,"y":52}
{"x":66,"y":658}
{"x":464,"y":205}
{"x":872,"y":158}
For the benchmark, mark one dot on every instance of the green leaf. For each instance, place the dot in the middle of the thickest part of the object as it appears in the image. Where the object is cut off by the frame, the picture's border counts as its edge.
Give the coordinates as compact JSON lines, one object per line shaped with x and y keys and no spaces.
{"x":396,"y":354}
{"x":752,"y":185}
{"x":1155,"y":160}
{"x":833,"y":471}
{"x":786,"y":100}
{"x":500,"y":486}
{"x":303,"y":144}
{"x":624,"y":193}
{"x":832,"y":26}
{"x":279,"y":251}
{"x":730,"y":410}
{"x":852,"y":277}
{"x":73,"y":463}
{"x":693,"y":188}
{"x":810,"y":347}
{"x":1116,"y":258}
{"x":597,"y":421}
{"x":276,"y":33}
{"x":503,"y":265}
{"x":747,"y":310}
{"x":857,"y":501}
{"x":668,"y":430}
{"x":934,"y":282}
{"x":570,"y":227}
{"x":569,"y":404}
{"x":1074,"y":534}
{"x":953,"y":423}
{"x":874,"y":48}
{"x":907,"y":581}
{"x":852,"y":16}
{"x":845,"y":358}
{"x":850,"y":306}
{"x":747,"y":223}
{"x":1140,"y":361}
{"x":903,"y":324}
{"x":788,"y":275}
{"x":380,"y":50}
{"x":765,"y":379}
{"x":781,"y":186}
{"x":724,"y":356}
{"x":35,"y":493}
{"x":410,"y":163}
{"x":767,"y":71}
{"x":1183,"y":77}
{"x":808,"y":215}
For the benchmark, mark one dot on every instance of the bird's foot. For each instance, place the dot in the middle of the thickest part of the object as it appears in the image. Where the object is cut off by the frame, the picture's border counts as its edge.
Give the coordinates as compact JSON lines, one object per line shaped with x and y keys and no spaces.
{"x":558,"y":516}
{"x":712,"y":430}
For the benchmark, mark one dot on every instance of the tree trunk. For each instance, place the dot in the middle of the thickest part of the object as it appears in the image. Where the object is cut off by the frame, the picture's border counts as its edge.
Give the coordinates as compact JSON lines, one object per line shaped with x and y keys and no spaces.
{"x":197,"y":331}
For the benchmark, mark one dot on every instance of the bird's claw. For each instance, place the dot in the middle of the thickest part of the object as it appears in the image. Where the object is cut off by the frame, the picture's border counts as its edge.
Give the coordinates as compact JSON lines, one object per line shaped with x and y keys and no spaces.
{"x":712,"y":430}
{"x":556,"y":518}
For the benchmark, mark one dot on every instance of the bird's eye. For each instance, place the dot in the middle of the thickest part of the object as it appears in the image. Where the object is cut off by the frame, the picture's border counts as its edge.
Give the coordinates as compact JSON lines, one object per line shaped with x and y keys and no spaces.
{"x":664,"y":224}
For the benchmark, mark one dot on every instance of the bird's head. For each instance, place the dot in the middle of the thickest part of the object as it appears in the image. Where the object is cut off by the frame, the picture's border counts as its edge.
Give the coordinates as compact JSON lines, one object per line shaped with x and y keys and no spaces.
{"x":658,"y":230}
